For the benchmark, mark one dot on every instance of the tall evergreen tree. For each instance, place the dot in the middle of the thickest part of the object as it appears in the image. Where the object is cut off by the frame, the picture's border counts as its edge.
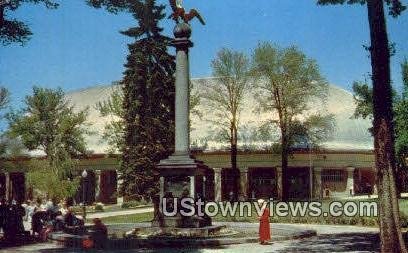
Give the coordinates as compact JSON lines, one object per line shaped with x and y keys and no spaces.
{"x":112,"y":108}
{"x":148,"y":97}
{"x":13,"y":30}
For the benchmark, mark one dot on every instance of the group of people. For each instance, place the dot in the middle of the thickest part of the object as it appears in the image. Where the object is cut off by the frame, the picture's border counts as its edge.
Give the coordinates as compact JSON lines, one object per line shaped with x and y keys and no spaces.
{"x":44,"y":216}
{"x":49,"y":216}
{"x":11,"y":219}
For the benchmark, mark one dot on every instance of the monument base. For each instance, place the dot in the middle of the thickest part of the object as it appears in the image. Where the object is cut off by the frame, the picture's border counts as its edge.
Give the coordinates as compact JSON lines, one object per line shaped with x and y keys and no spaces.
{"x":181,"y":176}
{"x":182,"y":222}
{"x":202,"y":232}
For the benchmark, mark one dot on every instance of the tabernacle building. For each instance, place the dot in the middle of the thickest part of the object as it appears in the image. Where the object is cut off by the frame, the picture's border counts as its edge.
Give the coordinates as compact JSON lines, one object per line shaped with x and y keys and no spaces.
{"x":343,"y":166}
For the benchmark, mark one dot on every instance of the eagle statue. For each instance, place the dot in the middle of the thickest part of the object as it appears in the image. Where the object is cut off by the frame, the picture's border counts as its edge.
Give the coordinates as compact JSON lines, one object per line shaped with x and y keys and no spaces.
{"x":180,"y":13}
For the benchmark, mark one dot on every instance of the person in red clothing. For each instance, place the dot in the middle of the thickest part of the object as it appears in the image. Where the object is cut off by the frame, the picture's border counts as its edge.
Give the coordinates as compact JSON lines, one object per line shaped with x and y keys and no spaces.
{"x":264,"y":226}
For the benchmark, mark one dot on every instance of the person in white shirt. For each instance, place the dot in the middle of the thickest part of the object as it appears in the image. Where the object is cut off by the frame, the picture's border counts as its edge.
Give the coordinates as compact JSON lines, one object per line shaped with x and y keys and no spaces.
{"x":30,"y":209}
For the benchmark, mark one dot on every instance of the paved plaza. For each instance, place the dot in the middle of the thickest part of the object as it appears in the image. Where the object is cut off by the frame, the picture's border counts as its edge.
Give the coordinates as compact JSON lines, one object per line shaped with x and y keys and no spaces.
{"x":329,"y":239}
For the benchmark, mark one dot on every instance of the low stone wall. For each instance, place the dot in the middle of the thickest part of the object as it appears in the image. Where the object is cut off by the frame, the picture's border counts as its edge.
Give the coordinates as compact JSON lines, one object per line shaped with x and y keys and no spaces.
{"x":279,"y":233}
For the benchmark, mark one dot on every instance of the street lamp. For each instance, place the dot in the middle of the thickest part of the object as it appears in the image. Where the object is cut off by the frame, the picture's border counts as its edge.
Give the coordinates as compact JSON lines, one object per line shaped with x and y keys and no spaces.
{"x":84,"y":175}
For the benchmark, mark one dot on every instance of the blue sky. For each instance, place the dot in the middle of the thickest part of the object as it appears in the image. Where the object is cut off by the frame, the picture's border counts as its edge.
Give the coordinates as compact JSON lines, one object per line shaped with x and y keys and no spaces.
{"x":76,"y":46}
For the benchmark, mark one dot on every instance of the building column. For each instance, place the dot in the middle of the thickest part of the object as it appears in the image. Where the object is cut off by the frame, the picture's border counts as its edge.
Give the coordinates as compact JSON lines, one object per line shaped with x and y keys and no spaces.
{"x":192,"y":187}
{"x":375,"y":186}
{"x":375,"y":190}
{"x":162,"y":190}
{"x":8,"y":186}
{"x":217,"y":184}
{"x":119,"y":181}
{"x":204,"y":187}
{"x":97,"y":185}
{"x":310,"y":182}
{"x":243,"y":184}
{"x":350,"y":181}
{"x":317,"y":183}
{"x":279,"y":184}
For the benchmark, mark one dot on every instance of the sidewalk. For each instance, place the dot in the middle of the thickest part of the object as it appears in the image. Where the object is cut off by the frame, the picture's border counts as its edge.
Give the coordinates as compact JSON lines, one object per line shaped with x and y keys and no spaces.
{"x":329,"y":239}
{"x":118,"y":213}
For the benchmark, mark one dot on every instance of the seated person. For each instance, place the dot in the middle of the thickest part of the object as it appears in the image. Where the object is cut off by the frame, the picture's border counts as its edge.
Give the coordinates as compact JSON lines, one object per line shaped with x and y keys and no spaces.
{"x":20,"y":214}
{"x":73,"y":224}
{"x":39,"y":220}
{"x":31,"y":210}
{"x":63,"y":207}
{"x":100,"y":233}
{"x":53,"y":208}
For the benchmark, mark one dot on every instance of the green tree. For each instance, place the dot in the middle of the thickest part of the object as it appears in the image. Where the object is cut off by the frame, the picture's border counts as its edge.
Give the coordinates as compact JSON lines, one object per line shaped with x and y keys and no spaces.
{"x":12,"y":30}
{"x":48,"y":123}
{"x":383,"y":127}
{"x":401,"y":118}
{"x":148,"y":97}
{"x":195,"y":101}
{"x":45,"y":179}
{"x":287,"y":83}
{"x":363,"y":95}
{"x":225,"y":99}
{"x":4,"y":100}
{"x":9,"y":147}
{"x":112,"y":108}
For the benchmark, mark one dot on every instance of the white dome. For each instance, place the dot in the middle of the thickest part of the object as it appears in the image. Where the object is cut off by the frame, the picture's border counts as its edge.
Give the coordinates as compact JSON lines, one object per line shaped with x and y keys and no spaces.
{"x":349,"y":134}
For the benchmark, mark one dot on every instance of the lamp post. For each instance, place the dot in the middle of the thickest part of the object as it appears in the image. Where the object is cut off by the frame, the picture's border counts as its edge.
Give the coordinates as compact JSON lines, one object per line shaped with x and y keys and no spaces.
{"x":84,"y":175}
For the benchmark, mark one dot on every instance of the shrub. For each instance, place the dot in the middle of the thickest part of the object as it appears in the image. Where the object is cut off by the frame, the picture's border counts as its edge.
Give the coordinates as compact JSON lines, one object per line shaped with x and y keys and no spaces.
{"x":50,"y":180}
{"x":403,"y":220}
{"x":99,"y":207}
{"x":133,"y":203}
{"x":78,"y":209}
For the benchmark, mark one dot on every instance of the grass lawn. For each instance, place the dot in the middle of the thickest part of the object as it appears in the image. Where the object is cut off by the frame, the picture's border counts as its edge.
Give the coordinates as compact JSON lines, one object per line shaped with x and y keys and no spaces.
{"x":132,"y":218}
{"x":403,"y":205}
{"x":106,"y":208}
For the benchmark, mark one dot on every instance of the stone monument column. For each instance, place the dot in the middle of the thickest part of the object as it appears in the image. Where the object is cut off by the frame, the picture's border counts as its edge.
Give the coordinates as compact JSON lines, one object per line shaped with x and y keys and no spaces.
{"x":8,"y":186}
{"x":180,"y":174}
{"x":182,"y":43}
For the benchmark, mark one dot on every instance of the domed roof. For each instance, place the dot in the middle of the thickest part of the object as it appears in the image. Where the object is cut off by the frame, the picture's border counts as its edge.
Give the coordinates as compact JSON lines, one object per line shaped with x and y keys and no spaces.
{"x":349,"y":133}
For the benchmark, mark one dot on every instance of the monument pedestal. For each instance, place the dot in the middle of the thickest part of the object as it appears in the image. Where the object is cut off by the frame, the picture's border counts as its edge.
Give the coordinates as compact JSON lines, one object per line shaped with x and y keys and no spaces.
{"x":181,"y":176}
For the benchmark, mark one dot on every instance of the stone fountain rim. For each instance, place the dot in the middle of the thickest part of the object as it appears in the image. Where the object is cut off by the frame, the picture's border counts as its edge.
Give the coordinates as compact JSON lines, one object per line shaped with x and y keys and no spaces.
{"x":75,"y":241}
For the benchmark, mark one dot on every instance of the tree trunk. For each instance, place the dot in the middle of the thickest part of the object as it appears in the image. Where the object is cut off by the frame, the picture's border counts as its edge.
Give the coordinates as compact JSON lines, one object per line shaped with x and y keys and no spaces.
{"x":390,"y":230}
{"x":234,"y":161}
{"x":284,"y":160}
